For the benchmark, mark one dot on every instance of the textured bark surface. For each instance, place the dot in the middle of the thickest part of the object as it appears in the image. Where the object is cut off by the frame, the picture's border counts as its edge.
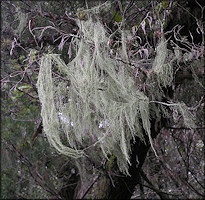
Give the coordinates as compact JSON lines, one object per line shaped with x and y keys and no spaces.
{"x":108,"y":184}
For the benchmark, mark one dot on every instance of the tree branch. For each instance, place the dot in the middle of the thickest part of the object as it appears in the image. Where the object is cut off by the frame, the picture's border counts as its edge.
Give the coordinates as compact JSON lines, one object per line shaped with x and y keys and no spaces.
{"x":180,"y":128}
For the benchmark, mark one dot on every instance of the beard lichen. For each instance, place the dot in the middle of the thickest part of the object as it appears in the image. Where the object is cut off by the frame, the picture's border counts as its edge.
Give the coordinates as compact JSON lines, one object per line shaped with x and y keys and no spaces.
{"x":161,"y":66}
{"x":22,"y":18}
{"x":100,"y":101}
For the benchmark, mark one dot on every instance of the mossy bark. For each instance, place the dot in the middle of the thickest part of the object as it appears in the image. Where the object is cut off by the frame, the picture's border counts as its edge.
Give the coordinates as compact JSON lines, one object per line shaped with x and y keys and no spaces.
{"x":104,"y":188}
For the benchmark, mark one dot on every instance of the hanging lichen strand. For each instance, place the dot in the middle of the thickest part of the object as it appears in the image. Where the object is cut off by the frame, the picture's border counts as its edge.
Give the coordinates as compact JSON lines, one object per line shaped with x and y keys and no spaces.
{"x":49,"y":110}
{"x":100,"y":101}
{"x":161,"y":66}
{"x":22,"y":18}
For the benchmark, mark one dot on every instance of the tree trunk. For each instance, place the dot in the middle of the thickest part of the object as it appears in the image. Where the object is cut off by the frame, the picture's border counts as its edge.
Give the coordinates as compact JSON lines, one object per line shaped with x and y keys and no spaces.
{"x":108,"y":184}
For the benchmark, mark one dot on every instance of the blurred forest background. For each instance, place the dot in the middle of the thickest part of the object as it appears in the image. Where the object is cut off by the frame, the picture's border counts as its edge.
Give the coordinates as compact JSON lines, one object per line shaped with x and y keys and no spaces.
{"x":32,"y":169}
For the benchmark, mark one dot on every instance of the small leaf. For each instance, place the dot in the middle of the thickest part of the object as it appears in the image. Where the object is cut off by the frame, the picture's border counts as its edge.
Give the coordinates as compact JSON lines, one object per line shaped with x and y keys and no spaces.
{"x":15,"y":91}
{"x":118,"y":17}
{"x":164,"y":4}
{"x":24,"y":87}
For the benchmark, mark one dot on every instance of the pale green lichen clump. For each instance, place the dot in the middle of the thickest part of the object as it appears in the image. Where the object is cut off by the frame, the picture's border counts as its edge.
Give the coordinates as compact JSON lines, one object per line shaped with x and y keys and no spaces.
{"x":100,"y":90}
{"x":22,"y":18}
{"x":161,"y":66}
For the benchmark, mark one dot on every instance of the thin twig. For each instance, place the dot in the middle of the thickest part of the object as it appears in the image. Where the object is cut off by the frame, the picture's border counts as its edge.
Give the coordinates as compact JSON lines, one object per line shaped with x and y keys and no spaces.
{"x":27,"y":93}
{"x":180,"y":128}
{"x":29,"y":26}
{"x":86,"y":3}
{"x":111,"y":179}
{"x":90,"y":186}
{"x":163,"y":103}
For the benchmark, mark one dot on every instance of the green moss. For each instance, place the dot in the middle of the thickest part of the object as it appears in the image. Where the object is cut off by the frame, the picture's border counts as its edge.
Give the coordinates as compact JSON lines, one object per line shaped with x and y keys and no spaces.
{"x":103,"y":189}
{"x":111,"y":163}
{"x":118,"y":17}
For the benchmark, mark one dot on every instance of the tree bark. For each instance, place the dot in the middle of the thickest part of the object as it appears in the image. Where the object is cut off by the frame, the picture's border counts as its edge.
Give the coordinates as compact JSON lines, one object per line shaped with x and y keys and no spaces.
{"x":108,"y":184}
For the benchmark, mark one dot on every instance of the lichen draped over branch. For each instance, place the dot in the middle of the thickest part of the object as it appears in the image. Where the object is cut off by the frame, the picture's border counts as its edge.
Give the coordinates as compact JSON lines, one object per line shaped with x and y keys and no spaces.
{"x":161,"y":66}
{"x":100,"y":100}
